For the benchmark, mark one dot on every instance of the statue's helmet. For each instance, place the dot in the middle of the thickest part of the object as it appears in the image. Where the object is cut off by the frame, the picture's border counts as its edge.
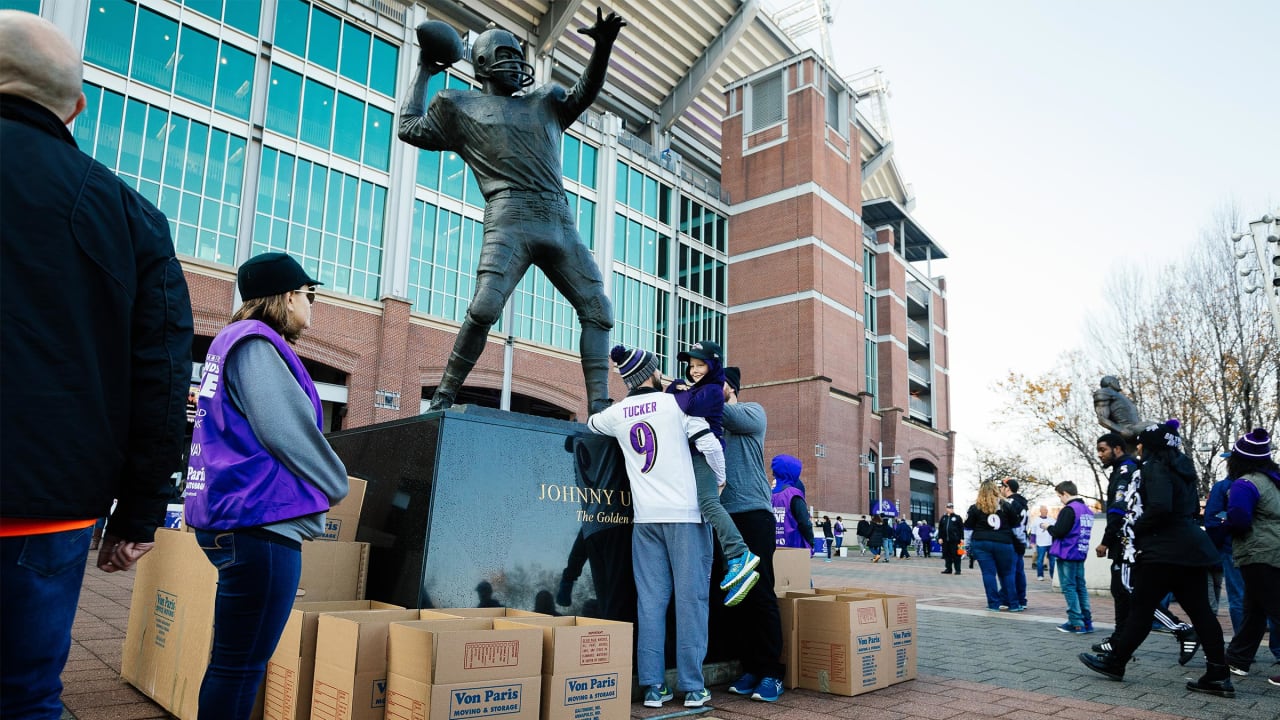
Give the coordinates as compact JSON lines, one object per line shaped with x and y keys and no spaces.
{"x":497,"y":52}
{"x":1111,"y":381}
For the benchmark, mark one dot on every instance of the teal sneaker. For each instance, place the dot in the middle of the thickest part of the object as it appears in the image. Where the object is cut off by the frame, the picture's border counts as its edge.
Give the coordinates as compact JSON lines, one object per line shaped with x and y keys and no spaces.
{"x":738,"y":569}
{"x":739,"y":593}
{"x":697,"y":698}
{"x":656,"y":695}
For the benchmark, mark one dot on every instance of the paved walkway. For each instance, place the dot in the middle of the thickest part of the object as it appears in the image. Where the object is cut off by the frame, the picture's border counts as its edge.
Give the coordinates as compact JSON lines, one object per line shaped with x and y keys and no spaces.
{"x":972,"y":663}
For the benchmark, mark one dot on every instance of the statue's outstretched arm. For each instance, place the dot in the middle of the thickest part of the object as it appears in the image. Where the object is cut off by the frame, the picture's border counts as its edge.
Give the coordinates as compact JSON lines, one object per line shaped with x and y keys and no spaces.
{"x":440,"y":48}
{"x":584,"y":92}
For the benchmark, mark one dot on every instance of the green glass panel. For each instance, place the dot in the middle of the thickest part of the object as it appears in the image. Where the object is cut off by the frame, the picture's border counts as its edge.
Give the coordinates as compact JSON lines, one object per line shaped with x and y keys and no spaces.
{"x":243,"y":15}
{"x":317,"y":114}
{"x":301,"y":186}
{"x":348,"y":136}
{"x":649,"y":259}
{"x":215,"y":164}
{"x":29,"y":6}
{"x":197,"y":63}
{"x":620,"y":182}
{"x":315,"y":205}
{"x":283,"y":101}
{"x":377,"y":138}
{"x":650,"y":197}
{"x":108,"y":41}
{"x":349,"y":200}
{"x":185,"y":240}
{"x":588,"y":177}
{"x":190,"y":213}
{"x":267,"y":179}
{"x":291,"y":26}
{"x":429,"y":169}
{"x":135,"y":128}
{"x":619,"y":238}
{"x":155,"y":49}
{"x":322,"y":43}
{"x":382,"y":70}
{"x":472,"y":195}
{"x":110,"y":129}
{"x":333,"y":204}
{"x":197,"y":154}
{"x":354,"y":63}
{"x":234,"y":92}
{"x":569,"y":157}
{"x":85,"y":127}
{"x":153,"y":144}
{"x":587,"y":222}
{"x":284,"y":187}
{"x":175,"y":156}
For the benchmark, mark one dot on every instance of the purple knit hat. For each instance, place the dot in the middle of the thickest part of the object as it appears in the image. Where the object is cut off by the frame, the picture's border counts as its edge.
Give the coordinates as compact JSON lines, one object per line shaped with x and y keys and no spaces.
{"x":1255,"y":444}
{"x":635,"y":366}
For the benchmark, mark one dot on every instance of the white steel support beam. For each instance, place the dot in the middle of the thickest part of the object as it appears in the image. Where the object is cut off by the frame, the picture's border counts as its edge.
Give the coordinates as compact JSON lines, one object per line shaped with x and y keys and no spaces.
{"x":683,"y":94}
{"x":873,"y":165}
{"x":554,"y":23}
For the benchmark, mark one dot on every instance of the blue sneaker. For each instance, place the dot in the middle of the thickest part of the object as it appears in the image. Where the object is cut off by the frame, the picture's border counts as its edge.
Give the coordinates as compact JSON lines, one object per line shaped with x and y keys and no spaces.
{"x":745,"y":685}
{"x":1067,"y":627}
{"x":739,"y":567}
{"x":769,"y":690}
{"x":739,"y":593}
{"x":697,"y":698}
{"x":656,"y":695}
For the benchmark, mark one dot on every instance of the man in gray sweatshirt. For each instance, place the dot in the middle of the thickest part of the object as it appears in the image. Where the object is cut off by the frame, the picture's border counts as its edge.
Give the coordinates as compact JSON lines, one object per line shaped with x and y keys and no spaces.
{"x":748,"y":498}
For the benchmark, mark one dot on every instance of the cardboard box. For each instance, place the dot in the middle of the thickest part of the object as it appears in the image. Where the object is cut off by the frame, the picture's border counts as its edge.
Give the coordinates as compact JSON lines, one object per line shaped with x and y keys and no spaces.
{"x":790,"y":642}
{"x":586,"y":667}
{"x":343,"y":519}
{"x":491,"y":612}
{"x":291,"y":669}
{"x":791,"y":569}
{"x":900,"y":619}
{"x":462,"y":669}
{"x":170,"y":633}
{"x":844,"y":645}
{"x":351,"y":663}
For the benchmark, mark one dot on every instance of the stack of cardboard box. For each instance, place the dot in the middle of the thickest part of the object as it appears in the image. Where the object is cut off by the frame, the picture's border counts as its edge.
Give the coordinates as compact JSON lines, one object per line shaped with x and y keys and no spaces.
{"x":586,"y":667}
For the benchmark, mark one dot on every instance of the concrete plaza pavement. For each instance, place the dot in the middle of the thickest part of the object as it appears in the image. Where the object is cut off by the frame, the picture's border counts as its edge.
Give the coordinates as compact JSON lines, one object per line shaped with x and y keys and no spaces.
{"x":972,"y":663}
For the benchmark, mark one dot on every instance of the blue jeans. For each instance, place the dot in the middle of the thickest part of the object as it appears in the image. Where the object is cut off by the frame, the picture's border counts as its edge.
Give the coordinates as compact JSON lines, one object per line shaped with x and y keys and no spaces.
{"x":1020,"y":577}
{"x":1042,"y":552}
{"x":731,"y":543}
{"x":1071,"y":576}
{"x":996,"y":561}
{"x":257,"y":581}
{"x":40,"y":578}
{"x":667,"y":557}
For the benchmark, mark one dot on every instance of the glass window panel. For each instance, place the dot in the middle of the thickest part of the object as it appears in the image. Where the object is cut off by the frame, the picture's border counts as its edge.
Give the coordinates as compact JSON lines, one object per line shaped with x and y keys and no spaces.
{"x":234,"y":92}
{"x":650,"y":258}
{"x":619,"y":238}
{"x":382,"y":70}
{"x":348,"y":127}
{"x":379,"y":205}
{"x":135,"y":128}
{"x":109,"y":38}
{"x":664,"y":257}
{"x":212,"y":8}
{"x":322,"y":43}
{"x":190,"y":213}
{"x":348,"y":227}
{"x":588,"y":176}
{"x":185,"y":240}
{"x":291,"y":26}
{"x":587,"y":222}
{"x":354,"y":63}
{"x":452,"y":170}
{"x":170,"y":201}
{"x":197,"y":154}
{"x":429,"y":169}
{"x":150,"y":191}
{"x":86,"y":124}
{"x":722,"y":233}
{"x":377,"y":138}
{"x":196,"y":64}
{"x":175,"y":156}
{"x":155,"y":49}
{"x":284,"y":186}
{"x":266,"y":179}
{"x":215,"y":163}
{"x":235,"y":170}
{"x":283,"y":100}
{"x":153,"y":143}
{"x":243,"y":15}
{"x":315,"y":206}
{"x":635,"y":189}
{"x":301,"y":187}
{"x":472,"y":195}
{"x":650,"y":197}
{"x":620,"y":181}
{"x":664,"y":205}
{"x":570,"y":159}
{"x":110,"y":128}
{"x":333,"y":205}
{"x":317,"y":114}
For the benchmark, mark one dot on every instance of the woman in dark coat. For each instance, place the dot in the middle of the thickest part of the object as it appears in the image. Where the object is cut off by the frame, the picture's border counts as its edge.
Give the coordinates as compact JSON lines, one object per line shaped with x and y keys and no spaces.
{"x":875,"y":541}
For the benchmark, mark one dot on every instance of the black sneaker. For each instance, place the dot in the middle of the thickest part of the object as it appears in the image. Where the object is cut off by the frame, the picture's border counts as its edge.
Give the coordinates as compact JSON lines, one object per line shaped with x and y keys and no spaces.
{"x":1188,"y":644}
{"x":1102,"y":647}
{"x":1103,"y":664}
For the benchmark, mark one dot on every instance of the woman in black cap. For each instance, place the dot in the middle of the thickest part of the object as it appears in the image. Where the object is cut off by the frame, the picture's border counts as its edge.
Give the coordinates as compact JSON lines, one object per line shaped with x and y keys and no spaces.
{"x":1170,"y":553}
{"x":260,"y":477}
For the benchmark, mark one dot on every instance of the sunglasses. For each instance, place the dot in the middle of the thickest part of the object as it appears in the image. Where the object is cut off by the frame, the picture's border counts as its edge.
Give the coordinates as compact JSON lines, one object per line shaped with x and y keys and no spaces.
{"x":311,"y":295}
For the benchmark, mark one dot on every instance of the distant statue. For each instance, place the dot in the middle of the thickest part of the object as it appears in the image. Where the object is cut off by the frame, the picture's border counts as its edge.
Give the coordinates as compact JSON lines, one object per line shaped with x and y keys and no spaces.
{"x":512,"y":143}
{"x":1116,"y":412}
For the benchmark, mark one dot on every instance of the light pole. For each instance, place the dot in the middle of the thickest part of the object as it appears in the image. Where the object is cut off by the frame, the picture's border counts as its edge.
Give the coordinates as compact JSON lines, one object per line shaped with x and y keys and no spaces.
{"x":881,"y":474}
{"x":1265,"y":233}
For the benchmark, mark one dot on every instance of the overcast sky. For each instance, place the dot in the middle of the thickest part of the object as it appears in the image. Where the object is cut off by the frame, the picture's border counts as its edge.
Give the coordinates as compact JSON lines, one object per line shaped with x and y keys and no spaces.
{"x":1049,"y":142}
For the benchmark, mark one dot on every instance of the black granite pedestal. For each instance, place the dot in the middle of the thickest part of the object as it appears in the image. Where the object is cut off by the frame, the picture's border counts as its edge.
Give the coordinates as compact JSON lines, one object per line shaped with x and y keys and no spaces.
{"x":473,"y":506}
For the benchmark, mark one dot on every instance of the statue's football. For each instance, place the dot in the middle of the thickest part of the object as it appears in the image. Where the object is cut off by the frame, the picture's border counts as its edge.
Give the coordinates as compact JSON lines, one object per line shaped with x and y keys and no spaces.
{"x":439,"y":42}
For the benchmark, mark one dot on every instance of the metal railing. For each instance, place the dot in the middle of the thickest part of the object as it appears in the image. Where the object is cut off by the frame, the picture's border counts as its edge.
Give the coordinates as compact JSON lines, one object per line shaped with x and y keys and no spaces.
{"x":917,"y":331}
{"x":918,"y":370}
{"x":918,"y":292}
{"x":920,"y":407}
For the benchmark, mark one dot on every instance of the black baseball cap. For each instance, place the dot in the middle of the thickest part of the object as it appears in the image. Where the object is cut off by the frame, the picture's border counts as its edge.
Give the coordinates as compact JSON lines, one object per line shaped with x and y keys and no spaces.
{"x":704,"y":350}
{"x":270,"y":274}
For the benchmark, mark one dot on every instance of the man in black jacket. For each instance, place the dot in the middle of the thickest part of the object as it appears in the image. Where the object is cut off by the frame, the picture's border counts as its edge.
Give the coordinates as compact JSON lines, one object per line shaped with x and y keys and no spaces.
{"x":950,"y":534}
{"x":95,"y":364}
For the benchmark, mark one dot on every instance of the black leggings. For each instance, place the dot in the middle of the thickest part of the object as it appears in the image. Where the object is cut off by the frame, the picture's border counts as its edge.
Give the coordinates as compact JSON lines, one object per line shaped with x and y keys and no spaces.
{"x":1151,"y":582}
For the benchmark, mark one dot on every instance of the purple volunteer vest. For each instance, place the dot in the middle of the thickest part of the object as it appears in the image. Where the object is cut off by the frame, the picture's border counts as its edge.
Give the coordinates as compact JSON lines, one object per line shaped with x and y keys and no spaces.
{"x":232,"y":480}
{"x":1075,"y":545}
{"x":786,"y":533}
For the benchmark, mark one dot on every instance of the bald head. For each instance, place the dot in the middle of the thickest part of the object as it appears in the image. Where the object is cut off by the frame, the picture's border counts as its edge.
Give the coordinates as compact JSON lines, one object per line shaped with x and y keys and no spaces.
{"x":39,"y":64}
